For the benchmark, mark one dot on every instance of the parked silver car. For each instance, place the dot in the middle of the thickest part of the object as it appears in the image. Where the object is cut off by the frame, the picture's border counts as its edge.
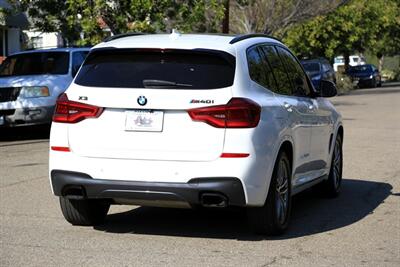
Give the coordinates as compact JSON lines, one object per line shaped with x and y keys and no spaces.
{"x":31,"y":81}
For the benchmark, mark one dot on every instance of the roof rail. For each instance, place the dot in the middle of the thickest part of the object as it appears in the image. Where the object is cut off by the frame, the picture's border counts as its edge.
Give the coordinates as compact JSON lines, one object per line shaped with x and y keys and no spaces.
{"x":122,"y":35}
{"x":251,"y":35}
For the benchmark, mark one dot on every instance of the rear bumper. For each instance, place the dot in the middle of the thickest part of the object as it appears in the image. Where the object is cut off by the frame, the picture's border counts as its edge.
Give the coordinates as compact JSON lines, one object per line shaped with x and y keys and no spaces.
{"x":365,"y":82}
{"x":151,"y":193}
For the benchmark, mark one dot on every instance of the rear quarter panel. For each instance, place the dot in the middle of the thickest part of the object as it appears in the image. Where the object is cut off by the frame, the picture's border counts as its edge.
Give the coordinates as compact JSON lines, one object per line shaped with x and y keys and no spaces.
{"x":265,"y":140}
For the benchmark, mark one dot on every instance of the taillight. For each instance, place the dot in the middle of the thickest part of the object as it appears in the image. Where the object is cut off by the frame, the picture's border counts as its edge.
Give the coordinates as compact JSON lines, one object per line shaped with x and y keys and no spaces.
{"x":238,"y":113}
{"x":72,"y":112}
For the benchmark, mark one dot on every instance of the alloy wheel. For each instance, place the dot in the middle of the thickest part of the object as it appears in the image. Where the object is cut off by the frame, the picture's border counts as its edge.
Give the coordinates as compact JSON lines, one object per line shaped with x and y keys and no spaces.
{"x":337,"y":165}
{"x":282,"y":192}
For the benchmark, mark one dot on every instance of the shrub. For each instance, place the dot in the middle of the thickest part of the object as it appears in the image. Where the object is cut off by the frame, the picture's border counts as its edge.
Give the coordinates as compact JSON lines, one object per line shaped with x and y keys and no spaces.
{"x":397,"y":75}
{"x":343,"y":83}
{"x":388,"y":75}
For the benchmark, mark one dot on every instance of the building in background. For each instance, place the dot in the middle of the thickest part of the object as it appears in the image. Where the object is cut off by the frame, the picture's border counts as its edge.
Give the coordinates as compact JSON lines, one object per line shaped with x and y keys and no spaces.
{"x":35,"y":39}
{"x":11,"y":26}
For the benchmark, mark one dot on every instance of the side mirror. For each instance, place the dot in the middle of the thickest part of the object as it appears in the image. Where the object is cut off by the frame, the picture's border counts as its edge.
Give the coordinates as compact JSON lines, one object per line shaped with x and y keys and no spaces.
{"x":327,"y":89}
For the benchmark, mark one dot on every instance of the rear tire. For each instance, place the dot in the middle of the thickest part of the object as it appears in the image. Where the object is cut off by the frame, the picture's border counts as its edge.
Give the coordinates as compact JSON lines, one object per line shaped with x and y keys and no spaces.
{"x":331,"y":187}
{"x":84,"y":211}
{"x":273,"y":218}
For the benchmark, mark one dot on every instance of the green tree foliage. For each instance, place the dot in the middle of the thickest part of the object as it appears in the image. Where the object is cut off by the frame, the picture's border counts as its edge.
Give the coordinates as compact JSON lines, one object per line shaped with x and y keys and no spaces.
{"x":356,"y":26}
{"x":161,"y":15}
{"x":79,"y":21}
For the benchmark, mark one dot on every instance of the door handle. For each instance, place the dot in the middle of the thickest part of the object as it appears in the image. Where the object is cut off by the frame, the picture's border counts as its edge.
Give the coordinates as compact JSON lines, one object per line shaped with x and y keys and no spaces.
{"x":288,"y":107}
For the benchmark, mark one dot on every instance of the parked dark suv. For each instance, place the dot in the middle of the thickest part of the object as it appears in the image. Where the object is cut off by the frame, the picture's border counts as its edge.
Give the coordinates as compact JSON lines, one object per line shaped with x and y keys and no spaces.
{"x":365,"y":75}
{"x":319,"y":69}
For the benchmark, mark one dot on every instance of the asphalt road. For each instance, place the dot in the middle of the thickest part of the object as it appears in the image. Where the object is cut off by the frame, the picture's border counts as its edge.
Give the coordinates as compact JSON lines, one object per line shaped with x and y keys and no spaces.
{"x":360,"y":228}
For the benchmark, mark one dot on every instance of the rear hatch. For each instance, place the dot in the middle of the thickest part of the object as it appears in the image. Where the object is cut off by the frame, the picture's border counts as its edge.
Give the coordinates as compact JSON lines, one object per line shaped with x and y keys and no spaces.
{"x":145,"y":95}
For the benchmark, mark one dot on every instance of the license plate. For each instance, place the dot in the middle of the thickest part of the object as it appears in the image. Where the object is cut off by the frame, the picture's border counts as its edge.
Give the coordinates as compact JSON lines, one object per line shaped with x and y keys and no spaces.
{"x":144,"y":120}
{"x":1,"y":120}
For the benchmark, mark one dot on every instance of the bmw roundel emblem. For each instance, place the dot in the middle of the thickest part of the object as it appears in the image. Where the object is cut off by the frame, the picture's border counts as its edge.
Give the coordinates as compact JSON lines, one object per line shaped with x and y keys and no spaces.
{"x":142,"y":100}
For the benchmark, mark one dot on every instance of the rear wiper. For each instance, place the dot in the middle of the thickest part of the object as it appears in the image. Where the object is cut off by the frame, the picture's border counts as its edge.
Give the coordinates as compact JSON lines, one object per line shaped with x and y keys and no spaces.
{"x":163,"y":84}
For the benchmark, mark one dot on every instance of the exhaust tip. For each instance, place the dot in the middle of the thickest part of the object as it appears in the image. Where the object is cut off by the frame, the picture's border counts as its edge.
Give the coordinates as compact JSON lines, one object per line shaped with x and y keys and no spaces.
{"x":215,"y":200}
{"x":74,"y":192}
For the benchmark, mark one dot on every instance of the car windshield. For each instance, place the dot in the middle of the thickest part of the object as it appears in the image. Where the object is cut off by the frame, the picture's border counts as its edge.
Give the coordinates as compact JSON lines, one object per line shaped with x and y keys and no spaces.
{"x":339,"y":60}
{"x":35,"y":64}
{"x":162,"y":69}
{"x":362,"y":68}
{"x":312,"y":66}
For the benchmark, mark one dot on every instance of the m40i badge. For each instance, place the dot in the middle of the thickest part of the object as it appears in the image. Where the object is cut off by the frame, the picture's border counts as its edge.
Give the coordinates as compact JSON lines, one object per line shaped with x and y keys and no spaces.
{"x":201,"y":101}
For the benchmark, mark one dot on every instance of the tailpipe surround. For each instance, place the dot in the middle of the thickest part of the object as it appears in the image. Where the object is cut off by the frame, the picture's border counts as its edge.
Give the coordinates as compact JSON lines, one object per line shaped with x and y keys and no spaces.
{"x":213,"y":200}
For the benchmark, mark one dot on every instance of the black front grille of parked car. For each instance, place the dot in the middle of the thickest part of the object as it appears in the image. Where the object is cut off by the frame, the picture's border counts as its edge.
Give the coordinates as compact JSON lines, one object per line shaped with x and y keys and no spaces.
{"x":9,"y":93}
{"x":7,"y":112}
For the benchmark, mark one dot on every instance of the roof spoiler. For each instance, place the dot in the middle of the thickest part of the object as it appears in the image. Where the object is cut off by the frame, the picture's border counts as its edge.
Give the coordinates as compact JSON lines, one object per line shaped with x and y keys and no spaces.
{"x":122,"y":35}
{"x":251,"y":35}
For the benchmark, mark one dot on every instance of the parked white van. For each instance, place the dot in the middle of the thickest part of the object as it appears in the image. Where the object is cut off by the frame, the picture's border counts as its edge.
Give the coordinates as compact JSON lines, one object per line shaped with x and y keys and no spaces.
{"x":355,"y":60}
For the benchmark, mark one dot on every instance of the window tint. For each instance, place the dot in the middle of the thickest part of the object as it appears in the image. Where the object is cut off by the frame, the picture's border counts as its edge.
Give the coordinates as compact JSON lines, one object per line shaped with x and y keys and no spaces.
{"x":284,"y":86}
{"x":36,"y":63}
{"x":312,"y":66}
{"x":78,"y":58}
{"x":339,"y":60}
{"x":259,"y":69}
{"x":295,"y":72}
{"x":177,"y":69}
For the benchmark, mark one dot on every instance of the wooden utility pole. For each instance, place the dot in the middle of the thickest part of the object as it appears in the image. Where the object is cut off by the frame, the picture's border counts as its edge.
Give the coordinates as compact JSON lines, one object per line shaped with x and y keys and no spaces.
{"x":225,"y":22}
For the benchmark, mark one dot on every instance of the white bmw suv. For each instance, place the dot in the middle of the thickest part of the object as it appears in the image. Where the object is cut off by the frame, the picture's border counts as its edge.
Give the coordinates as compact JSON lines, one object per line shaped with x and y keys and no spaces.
{"x":182,"y":120}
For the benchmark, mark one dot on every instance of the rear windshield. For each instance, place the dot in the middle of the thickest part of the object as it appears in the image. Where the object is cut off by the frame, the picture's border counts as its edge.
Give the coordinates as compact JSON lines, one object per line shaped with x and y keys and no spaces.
{"x":166,"y":69}
{"x":311,"y":67}
{"x":35,"y":64}
{"x":339,"y":60}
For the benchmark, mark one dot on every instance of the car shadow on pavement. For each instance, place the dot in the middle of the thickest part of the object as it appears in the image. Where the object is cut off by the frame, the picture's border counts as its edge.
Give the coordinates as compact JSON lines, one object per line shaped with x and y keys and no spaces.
{"x":25,"y":133}
{"x":311,"y":214}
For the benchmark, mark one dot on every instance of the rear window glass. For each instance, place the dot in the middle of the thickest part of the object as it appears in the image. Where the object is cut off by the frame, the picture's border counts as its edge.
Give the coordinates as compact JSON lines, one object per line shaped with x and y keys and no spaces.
{"x":35,"y":64}
{"x":339,"y":60}
{"x":311,"y":67}
{"x":177,"y":69}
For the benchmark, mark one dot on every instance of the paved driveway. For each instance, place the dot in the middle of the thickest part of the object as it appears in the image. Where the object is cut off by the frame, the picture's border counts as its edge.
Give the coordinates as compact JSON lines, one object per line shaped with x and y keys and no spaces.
{"x":360,"y":228}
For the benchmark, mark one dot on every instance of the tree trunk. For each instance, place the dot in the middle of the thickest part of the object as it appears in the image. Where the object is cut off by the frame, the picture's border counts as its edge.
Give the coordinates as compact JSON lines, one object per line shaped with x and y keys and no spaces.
{"x":381,"y":59}
{"x":346,"y":56}
{"x":110,"y":22}
{"x":225,"y":22}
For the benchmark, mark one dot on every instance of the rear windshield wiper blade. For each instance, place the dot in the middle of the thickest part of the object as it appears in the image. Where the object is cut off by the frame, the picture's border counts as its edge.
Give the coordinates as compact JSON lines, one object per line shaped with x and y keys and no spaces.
{"x":163,"y":84}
